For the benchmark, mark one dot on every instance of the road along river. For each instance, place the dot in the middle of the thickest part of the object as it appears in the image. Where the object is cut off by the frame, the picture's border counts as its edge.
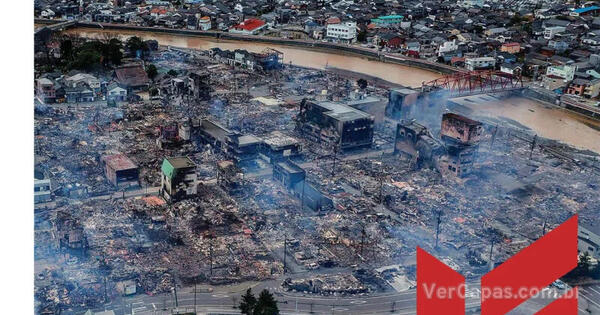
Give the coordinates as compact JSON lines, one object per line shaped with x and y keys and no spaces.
{"x":544,"y":120}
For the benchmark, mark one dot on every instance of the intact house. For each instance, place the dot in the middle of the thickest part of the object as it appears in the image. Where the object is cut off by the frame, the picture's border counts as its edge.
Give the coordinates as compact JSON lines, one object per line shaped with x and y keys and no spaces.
{"x":83,"y":80}
{"x":589,"y":240}
{"x":584,"y":87}
{"x":511,"y":68}
{"x":45,"y":90}
{"x":132,"y":77}
{"x":566,"y":72}
{"x":79,"y":94}
{"x":480,"y":63}
{"x":116,"y":93}
{"x":248,"y":27}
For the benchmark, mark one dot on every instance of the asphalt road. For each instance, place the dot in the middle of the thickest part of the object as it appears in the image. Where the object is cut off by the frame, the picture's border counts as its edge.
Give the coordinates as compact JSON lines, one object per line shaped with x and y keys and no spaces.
{"x":290,"y":303}
{"x":401,"y":303}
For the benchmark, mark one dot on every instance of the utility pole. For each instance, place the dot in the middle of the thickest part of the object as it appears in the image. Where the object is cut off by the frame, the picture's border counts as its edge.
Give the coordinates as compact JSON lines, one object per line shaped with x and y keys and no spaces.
{"x":437,"y":229}
{"x":194,"y":296}
{"x":381,"y":188}
{"x":491,"y":252}
{"x":335,"y":150}
{"x":494,"y":136}
{"x":175,"y":291}
{"x":210,"y":249}
{"x":533,"y":142}
{"x":302,"y":202}
{"x":362,"y":240}
{"x":105,"y":291}
{"x":544,"y":228}
{"x":284,"y":254}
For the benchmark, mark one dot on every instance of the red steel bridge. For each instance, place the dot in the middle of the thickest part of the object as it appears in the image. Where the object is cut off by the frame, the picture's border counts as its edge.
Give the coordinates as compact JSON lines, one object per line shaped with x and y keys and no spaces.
{"x":474,"y":82}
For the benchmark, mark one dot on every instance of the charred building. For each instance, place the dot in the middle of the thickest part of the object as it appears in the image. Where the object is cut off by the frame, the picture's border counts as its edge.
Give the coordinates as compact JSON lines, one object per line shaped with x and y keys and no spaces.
{"x":214,"y":134}
{"x":459,"y":160}
{"x":242,"y":148}
{"x":400,"y":102}
{"x":229,"y":176}
{"x":371,"y":105}
{"x":336,"y":123}
{"x":120,"y":171}
{"x":461,"y":136}
{"x":199,"y":85}
{"x":277,"y":147}
{"x":414,"y":141}
{"x":168,"y":136}
{"x":460,"y":130}
{"x":288,"y":173}
{"x":178,"y":178}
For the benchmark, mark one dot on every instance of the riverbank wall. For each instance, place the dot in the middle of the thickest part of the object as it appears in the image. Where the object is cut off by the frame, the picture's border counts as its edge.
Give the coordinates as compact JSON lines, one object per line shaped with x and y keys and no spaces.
{"x":316,"y":45}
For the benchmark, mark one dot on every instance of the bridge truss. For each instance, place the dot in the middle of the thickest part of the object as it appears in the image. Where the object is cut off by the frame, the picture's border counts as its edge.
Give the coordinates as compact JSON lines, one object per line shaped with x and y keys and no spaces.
{"x":474,"y":82}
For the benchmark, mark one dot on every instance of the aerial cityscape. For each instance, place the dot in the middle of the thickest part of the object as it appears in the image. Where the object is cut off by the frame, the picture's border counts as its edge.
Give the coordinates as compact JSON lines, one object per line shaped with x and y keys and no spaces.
{"x":289,"y":157}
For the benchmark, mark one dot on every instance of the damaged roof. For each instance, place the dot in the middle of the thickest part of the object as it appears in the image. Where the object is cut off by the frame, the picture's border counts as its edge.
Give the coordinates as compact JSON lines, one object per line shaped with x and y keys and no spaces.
{"x":132,"y":75}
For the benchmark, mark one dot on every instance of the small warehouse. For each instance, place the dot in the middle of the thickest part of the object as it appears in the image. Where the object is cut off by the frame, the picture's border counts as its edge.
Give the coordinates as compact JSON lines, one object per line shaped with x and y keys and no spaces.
{"x":120,"y":171}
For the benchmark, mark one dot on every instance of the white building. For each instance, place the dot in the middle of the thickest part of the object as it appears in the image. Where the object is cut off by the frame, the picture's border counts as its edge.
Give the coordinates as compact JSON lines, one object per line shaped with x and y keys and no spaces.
{"x":480,"y":63}
{"x":566,"y":72}
{"x":82,"y":79}
{"x":115,"y":92}
{"x":204,"y":23}
{"x":345,"y":31}
{"x":589,"y":240}
{"x":447,"y":47}
{"x":42,"y":190}
{"x":550,"y":32}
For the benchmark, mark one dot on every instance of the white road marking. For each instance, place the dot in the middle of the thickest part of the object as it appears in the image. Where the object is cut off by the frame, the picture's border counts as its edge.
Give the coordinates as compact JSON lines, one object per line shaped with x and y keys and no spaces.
{"x":590,"y":300}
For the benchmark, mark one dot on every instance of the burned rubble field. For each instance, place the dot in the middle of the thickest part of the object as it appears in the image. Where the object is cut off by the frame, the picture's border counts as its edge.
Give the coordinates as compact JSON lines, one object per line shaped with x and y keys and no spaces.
{"x":383,"y":207}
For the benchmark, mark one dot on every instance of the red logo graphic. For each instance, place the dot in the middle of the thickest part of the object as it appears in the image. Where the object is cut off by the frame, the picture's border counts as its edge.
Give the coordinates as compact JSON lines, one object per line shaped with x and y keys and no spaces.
{"x":441,"y":290}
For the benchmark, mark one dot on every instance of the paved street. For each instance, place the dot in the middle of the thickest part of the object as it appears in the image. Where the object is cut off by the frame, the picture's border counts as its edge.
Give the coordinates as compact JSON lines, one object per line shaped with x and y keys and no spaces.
{"x":221,"y":301}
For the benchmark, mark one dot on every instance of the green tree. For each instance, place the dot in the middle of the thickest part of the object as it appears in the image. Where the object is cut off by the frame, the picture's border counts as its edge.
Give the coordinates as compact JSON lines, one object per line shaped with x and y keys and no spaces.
{"x":114,"y":51}
{"x":135,"y":44}
{"x":266,"y":304}
{"x":87,"y":59}
{"x":362,"y":36}
{"x":66,"y":49}
{"x":248,"y":303}
{"x":172,"y":73}
{"x":151,"y":71}
{"x":362,"y":83}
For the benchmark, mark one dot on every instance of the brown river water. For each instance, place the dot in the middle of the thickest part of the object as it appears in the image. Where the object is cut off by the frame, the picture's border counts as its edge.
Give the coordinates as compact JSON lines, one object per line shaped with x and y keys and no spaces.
{"x":546,"y":121}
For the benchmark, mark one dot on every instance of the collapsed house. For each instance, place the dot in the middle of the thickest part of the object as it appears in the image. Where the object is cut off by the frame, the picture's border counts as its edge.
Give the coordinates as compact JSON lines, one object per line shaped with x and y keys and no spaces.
{"x":229,"y":176}
{"x":336,"y":123}
{"x":414,"y":141}
{"x":293,"y":178}
{"x":245,"y":148}
{"x":455,"y":155}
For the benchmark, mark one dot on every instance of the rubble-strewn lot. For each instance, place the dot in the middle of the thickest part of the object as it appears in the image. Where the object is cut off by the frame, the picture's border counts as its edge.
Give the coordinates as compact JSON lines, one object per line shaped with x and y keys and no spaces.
{"x":382,"y":206}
